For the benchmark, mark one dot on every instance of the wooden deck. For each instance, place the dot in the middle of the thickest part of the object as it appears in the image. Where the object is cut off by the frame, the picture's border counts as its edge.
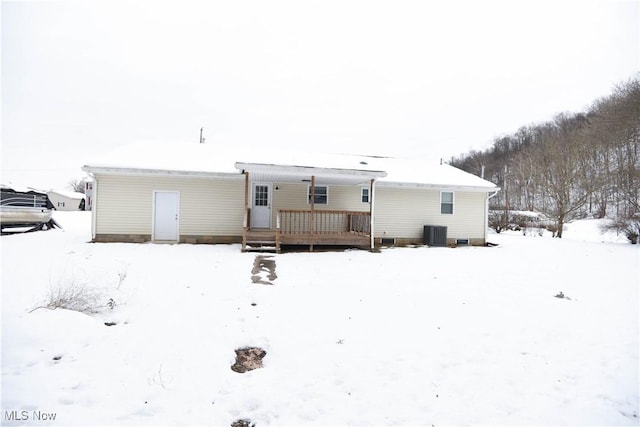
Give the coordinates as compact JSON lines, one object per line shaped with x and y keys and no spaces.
{"x":311,"y":228}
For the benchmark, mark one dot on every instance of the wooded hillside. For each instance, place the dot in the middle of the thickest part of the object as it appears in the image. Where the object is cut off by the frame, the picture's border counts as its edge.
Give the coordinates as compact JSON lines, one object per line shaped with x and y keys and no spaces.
{"x":577,"y":165}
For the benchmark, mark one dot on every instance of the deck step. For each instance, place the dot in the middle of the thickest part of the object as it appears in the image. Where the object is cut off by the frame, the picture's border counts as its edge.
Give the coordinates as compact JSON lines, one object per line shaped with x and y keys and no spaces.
{"x":260,"y":249}
{"x":261,"y":244}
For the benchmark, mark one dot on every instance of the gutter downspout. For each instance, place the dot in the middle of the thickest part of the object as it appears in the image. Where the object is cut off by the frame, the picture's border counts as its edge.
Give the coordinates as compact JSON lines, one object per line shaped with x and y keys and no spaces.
{"x":486,"y":215}
{"x":94,"y":205}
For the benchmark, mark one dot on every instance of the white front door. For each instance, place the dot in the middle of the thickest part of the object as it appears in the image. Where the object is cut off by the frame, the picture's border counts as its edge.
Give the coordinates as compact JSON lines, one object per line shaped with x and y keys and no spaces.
{"x":261,"y":206}
{"x":166,"y":206}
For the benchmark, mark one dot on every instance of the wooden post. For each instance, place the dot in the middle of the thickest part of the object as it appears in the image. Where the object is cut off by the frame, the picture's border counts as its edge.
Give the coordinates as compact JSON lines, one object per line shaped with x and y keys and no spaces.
{"x":371,"y":212}
{"x":312,"y":226}
{"x":278,"y":220}
{"x":245,"y":224}
{"x":246,"y":189}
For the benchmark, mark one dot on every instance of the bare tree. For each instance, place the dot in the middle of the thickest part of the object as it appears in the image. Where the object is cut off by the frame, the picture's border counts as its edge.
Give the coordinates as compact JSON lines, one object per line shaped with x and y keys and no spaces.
{"x":576,"y":165}
{"x":78,"y":185}
{"x":561,"y":173}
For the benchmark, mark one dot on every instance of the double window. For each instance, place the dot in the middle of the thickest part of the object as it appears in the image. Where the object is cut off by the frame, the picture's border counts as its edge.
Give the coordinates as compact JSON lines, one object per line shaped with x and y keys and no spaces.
{"x":320,"y":195}
{"x":446,"y":202}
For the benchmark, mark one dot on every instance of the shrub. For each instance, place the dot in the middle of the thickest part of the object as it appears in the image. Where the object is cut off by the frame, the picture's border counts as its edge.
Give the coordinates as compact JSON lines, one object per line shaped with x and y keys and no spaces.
{"x":498,"y":221}
{"x":78,"y":297}
{"x":629,"y":227}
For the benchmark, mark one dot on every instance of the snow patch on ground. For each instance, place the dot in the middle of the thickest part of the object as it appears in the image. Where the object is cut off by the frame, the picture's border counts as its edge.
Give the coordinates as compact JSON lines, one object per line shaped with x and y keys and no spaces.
{"x":407,"y":336}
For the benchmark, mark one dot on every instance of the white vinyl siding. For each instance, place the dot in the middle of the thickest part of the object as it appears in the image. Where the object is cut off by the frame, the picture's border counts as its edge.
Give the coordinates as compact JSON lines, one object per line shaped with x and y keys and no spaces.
{"x":294,"y":196}
{"x":207,"y":206}
{"x":403,"y":212}
{"x":215,"y":207}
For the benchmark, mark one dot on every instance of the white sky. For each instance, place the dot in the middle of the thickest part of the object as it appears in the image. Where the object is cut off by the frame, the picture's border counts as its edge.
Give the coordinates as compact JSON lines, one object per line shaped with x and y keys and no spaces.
{"x":379,"y":77}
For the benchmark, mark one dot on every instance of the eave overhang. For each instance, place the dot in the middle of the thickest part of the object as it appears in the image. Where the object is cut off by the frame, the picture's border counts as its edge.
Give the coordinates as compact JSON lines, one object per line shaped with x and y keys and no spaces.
{"x":440,"y":187}
{"x":292,"y":173}
{"x":126,"y":171}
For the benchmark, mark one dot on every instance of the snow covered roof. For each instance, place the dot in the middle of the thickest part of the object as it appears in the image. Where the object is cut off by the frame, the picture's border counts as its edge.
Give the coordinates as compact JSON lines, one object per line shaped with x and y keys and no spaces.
{"x":20,"y":188}
{"x":423,"y":172}
{"x":68,"y":194}
{"x":205,"y":159}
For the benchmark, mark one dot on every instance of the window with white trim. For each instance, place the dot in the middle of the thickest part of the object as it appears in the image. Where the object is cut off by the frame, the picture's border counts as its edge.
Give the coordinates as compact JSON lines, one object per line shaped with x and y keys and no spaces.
{"x":446,"y":202}
{"x":321,"y":195}
{"x":364,"y":195}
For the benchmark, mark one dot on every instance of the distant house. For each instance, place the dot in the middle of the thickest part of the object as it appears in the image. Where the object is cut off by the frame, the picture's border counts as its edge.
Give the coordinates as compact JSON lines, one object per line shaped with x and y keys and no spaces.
{"x":66,"y":200}
{"x":199,"y":194}
{"x":88,"y":195}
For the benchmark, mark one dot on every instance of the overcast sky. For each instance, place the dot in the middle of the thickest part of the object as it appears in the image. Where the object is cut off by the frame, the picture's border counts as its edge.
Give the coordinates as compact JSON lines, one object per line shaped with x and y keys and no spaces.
{"x":377,"y":77}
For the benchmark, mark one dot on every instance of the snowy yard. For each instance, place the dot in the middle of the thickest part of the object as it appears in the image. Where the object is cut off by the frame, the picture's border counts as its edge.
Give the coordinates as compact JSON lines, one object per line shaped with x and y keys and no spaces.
{"x":408,"y":336}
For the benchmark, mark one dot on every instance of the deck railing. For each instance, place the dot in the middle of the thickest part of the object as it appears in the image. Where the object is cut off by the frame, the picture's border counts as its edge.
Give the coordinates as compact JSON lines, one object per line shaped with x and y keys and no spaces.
{"x":323,"y":222}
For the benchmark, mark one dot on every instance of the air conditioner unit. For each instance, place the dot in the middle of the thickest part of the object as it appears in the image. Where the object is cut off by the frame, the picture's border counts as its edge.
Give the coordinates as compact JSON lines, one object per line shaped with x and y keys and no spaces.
{"x":435,"y":235}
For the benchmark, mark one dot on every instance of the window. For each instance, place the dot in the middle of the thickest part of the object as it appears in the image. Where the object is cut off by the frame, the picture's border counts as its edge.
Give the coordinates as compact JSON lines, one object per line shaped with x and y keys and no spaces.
{"x":446,"y":202}
{"x":365,"y":195}
{"x":261,"y":195}
{"x":321,"y":194}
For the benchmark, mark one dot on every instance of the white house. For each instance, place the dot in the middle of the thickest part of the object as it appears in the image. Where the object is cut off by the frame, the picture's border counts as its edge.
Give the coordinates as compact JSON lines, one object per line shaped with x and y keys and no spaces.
{"x":199,"y":193}
{"x":63,"y":200}
{"x":88,"y":195}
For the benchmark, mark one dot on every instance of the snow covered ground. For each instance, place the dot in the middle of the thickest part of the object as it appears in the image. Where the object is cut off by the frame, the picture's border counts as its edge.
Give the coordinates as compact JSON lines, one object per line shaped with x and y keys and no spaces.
{"x":408,"y":336}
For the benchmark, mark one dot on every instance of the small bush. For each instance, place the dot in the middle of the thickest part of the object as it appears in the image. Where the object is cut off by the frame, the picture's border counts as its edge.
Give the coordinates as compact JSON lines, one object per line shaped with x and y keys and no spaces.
{"x":629,"y":227}
{"x":498,"y":220}
{"x":78,"y":297}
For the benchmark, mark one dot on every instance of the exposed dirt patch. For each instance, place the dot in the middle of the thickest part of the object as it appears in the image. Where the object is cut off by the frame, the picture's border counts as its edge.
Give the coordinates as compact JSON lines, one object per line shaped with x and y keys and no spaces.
{"x":248,"y":359}
{"x":242,"y":423}
{"x":562,"y":296}
{"x":264,"y":270}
